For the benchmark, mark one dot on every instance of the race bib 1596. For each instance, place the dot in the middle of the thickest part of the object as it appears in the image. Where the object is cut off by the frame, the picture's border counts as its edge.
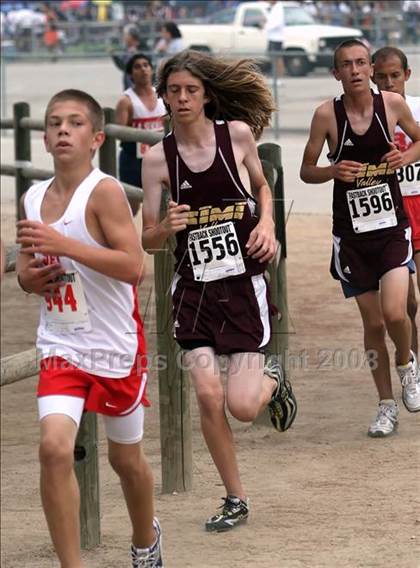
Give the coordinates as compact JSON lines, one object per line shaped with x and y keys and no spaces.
{"x":371,"y":208}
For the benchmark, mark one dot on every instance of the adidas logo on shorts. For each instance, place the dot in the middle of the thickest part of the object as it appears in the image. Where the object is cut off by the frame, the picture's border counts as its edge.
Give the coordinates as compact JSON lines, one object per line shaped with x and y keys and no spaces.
{"x":185,"y":185}
{"x":347,"y":270}
{"x":348,"y":142}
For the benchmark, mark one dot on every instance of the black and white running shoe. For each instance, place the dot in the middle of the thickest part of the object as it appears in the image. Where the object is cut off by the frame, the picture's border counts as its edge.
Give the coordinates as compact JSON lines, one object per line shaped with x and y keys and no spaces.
{"x":283,"y":405}
{"x":234,"y":512}
{"x":149,"y":557}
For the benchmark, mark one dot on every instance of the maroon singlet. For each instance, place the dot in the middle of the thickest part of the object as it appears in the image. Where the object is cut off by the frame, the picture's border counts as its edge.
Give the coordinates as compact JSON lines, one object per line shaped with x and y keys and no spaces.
{"x":215,"y":195}
{"x":371,"y":145}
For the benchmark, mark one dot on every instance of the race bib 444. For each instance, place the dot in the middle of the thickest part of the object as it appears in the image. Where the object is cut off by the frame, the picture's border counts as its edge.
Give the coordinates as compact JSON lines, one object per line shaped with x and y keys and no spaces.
{"x":65,"y":307}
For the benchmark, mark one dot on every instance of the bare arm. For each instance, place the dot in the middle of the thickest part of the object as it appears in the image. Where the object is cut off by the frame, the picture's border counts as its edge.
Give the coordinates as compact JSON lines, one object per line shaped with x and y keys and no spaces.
{"x":119,"y":60}
{"x":122,"y":259}
{"x":124,"y":111}
{"x":262,"y":243}
{"x":310,"y":172}
{"x":33,"y":275}
{"x":154,"y":176}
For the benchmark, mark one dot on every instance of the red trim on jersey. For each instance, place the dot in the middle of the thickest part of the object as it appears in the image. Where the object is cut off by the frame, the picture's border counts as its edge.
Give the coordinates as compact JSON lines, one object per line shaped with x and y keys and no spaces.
{"x":412,"y":208}
{"x":148,"y":123}
{"x":141,"y":341}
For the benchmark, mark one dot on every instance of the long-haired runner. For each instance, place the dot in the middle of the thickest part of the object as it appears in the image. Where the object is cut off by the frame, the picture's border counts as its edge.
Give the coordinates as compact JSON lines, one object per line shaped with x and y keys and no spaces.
{"x":220,"y":211}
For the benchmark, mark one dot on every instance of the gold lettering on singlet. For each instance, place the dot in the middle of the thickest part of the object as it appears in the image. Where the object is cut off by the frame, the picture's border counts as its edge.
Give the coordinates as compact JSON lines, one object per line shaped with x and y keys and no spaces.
{"x":208,"y":214}
{"x":370,"y":170}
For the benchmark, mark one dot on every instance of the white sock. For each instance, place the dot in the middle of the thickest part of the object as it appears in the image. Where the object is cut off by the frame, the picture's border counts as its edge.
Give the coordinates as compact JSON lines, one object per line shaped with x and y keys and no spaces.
{"x":388,"y":401}
{"x":143,"y":550}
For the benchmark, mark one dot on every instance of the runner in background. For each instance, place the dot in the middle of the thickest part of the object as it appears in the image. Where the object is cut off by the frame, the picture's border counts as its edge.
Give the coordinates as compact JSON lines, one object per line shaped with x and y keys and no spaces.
{"x":139,"y":107}
{"x":371,"y":236}
{"x":390,"y":73}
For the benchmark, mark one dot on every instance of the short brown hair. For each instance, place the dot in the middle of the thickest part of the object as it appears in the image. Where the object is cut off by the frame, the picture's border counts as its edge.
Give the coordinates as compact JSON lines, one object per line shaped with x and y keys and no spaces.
{"x":385,"y":53}
{"x":95,"y":111}
{"x":350,"y":43}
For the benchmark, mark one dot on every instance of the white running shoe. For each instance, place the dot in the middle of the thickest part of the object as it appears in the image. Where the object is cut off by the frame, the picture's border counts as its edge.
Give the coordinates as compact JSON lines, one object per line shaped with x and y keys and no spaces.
{"x":386,"y":421}
{"x":149,"y":557}
{"x":410,"y":381}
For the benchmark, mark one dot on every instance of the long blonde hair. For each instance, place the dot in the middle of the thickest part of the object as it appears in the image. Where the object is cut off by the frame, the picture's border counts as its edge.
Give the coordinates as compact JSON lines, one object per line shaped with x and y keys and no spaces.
{"x":236,"y":89}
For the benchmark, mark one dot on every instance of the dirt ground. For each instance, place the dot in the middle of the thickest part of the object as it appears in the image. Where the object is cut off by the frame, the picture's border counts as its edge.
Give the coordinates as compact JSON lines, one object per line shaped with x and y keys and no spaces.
{"x":322,"y":495}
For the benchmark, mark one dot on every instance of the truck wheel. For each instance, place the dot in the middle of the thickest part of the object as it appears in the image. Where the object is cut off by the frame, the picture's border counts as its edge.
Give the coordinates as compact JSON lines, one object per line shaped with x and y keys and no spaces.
{"x":297,"y":65}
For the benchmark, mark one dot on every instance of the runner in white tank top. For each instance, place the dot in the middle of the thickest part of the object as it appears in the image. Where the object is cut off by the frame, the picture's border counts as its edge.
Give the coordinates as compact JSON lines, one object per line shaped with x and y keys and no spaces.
{"x":95,"y":324}
{"x":145,"y":118}
{"x":81,"y":253}
{"x":391,"y":72}
{"x":138,"y":107}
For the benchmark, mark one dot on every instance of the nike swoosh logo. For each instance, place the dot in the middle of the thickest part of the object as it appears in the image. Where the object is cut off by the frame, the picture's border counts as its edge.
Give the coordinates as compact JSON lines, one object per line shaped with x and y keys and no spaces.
{"x":110,"y":405}
{"x":67,"y":222}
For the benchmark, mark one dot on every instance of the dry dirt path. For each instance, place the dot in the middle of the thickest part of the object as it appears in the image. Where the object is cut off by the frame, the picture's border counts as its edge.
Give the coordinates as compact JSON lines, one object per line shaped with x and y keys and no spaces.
{"x":323,"y":494}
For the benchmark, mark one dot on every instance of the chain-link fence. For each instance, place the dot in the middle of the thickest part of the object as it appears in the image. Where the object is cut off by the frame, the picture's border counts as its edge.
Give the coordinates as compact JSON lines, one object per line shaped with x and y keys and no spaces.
{"x":83,"y":31}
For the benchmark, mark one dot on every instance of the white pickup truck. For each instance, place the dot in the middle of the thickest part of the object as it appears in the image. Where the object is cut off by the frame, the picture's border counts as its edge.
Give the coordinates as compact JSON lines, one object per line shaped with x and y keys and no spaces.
{"x":238,"y":31}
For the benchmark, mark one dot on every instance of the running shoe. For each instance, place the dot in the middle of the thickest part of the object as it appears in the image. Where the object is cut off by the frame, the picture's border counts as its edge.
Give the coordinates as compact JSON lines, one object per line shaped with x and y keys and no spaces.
{"x":149,"y":557}
{"x":386,"y":421}
{"x":410,"y":382}
{"x":283,"y":405}
{"x":234,"y":512}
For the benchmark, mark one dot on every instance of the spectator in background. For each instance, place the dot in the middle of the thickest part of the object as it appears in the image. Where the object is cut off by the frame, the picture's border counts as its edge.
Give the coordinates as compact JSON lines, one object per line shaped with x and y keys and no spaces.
{"x":49,"y":12}
{"x":274,"y":29}
{"x":51,"y":39}
{"x":23,"y":24}
{"x":133,"y":43}
{"x":133,"y":16}
{"x":170,"y":42}
{"x":411,"y":15}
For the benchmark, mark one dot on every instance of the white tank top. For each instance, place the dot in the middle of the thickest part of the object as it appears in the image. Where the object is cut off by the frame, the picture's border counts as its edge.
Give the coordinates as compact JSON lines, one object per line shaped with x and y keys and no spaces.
{"x":409,"y":176}
{"x":93,"y":322}
{"x":144,"y":118}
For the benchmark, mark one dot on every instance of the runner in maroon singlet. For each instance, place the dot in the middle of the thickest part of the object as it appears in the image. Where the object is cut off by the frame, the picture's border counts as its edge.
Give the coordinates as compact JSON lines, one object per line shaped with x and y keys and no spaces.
{"x":220,"y":297}
{"x":371,"y":236}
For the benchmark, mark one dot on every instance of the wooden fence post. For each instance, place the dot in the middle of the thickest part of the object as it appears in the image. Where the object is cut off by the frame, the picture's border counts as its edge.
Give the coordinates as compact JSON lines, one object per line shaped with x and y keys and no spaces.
{"x":270,"y":155}
{"x":174,"y":384}
{"x":280,"y":341}
{"x":87,"y":472}
{"x":108,"y":150}
{"x":22,"y":140}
